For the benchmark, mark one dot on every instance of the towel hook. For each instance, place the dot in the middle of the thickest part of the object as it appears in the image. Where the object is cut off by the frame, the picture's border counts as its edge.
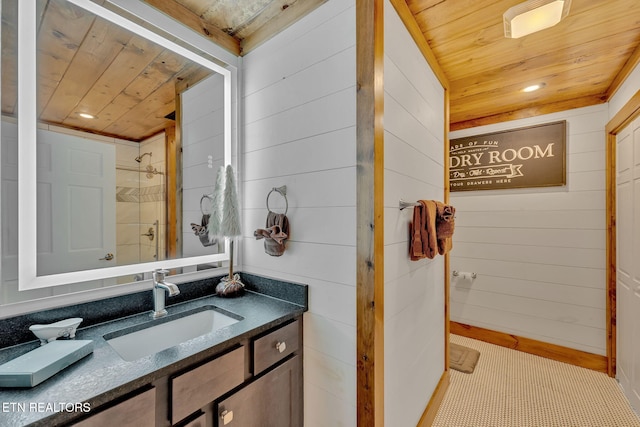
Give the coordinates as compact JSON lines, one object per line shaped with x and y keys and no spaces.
{"x":283,"y":192}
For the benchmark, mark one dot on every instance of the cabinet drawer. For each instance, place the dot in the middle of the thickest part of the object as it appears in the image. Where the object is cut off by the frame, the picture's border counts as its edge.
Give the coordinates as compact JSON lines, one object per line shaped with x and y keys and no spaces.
{"x":275,"y":346}
{"x":138,"y":411}
{"x":199,"y":386}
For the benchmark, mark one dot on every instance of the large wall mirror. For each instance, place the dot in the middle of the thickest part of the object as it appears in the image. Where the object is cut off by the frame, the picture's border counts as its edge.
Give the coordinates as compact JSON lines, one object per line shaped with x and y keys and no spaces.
{"x":112,"y":136}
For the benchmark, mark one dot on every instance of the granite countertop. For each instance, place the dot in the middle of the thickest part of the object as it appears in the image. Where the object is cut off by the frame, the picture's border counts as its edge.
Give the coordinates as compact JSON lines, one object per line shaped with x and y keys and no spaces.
{"x":104,"y":375}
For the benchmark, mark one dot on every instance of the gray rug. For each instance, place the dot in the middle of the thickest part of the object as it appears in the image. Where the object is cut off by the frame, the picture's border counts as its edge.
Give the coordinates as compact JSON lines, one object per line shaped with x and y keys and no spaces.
{"x":463,"y":358}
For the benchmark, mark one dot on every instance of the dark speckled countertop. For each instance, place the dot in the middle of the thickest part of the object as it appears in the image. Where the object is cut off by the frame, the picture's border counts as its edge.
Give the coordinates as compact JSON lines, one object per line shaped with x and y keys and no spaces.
{"x":104,"y":375}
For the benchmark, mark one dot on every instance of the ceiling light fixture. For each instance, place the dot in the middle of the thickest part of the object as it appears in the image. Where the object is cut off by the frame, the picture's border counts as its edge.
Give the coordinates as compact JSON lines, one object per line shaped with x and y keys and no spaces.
{"x":534,"y":15}
{"x":86,"y":116}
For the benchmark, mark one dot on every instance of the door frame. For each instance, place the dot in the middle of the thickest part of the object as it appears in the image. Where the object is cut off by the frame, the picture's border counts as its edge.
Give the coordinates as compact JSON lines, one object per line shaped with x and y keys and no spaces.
{"x":629,"y":112}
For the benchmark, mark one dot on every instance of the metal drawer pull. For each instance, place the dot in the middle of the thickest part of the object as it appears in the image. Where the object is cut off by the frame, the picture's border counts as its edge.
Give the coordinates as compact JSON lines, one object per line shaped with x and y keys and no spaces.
{"x":281,"y":346}
{"x":107,"y":257}
{"x":226,"y":416}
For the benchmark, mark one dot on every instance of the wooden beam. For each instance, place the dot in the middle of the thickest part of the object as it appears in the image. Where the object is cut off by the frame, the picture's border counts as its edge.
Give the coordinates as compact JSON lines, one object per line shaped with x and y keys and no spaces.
{"x":629,"y":112}
{"x":533,"y":111}
{"x":447,"y":260}
{"x":196,"y":23}
{"x":171,"y":191}
{"x":369,"y":211}
{"x":274,"y":18}
{"x":538,"y":348}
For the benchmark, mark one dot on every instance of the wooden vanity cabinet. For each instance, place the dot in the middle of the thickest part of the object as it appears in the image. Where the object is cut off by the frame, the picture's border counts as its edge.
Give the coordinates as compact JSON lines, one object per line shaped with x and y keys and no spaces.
{"x":256,"y":384}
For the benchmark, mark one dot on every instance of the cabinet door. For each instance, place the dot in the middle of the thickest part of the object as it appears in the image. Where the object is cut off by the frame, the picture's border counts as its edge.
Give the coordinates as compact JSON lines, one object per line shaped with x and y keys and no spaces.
{"x":273,"y":400}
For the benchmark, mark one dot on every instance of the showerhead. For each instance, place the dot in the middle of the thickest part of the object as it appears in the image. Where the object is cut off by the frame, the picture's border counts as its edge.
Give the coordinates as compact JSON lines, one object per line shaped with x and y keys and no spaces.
{"x":139,"y":158}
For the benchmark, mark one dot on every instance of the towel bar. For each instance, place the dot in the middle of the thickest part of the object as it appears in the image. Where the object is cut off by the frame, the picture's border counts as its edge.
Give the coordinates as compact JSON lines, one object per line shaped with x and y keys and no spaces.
{"x":404,"y":205}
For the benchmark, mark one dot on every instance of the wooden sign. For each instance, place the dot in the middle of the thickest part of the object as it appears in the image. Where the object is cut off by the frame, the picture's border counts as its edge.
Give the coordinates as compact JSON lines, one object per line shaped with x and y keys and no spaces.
{"x":527,"y":157}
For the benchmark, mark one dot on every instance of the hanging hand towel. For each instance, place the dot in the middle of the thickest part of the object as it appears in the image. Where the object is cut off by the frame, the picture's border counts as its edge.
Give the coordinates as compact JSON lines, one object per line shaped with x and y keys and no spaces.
{"x":424,"y":242}
{"x":275,"y":233}
{"x":202,"y":231}
{"x":445,"y":224}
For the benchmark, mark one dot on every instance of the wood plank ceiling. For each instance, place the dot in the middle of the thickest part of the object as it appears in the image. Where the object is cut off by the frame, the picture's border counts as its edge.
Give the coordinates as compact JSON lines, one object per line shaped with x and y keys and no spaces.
{"x":581,"y":61}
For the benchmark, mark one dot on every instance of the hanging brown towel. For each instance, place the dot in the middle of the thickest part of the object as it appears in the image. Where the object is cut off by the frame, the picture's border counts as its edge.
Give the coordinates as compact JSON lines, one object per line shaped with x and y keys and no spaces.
{"x":201,"y":231}
{"x":445,"y":225}
{"x":275,"y":233}
{"x":424,"y":242}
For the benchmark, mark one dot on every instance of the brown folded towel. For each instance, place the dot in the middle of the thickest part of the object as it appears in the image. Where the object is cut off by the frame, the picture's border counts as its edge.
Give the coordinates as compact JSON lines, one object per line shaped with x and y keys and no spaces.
{"x":275,"y":233}
{"x":424,"y":242}
{"x":445,"y":224}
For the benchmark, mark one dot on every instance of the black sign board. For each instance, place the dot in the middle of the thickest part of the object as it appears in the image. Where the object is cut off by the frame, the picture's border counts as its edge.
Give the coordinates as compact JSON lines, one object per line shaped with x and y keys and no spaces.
{"x":520,"y":158}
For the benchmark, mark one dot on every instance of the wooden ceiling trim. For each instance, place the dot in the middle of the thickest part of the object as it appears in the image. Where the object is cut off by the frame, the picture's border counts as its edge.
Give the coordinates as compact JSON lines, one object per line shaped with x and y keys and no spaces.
{"x":277,"y":23}
{"x":627,"y":69}
{"x":196,"y":23}
{"x":412,"y":26}
{"x":524,"y":113}
{"x":273,"y":9}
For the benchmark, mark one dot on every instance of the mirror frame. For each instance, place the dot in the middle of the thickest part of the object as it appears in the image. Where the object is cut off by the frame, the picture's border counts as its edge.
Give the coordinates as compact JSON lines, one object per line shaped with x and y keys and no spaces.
{"x":27,"y":127}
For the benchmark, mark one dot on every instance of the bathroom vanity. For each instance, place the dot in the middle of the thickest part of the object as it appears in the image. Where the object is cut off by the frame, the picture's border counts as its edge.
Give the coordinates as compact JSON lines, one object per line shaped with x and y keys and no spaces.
{"x":248,"y":373}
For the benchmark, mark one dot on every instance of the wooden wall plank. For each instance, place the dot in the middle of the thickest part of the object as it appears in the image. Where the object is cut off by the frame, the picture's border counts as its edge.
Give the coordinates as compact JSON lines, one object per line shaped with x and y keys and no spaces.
{"x":370,"y":220}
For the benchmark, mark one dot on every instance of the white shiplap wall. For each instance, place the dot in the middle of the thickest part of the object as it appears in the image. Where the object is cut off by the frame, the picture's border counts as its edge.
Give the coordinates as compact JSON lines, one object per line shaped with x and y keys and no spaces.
{"x":298,"y":119}
{"x":202,"y":143}
{"x":539,"y":253}
{"x":414,"y":291}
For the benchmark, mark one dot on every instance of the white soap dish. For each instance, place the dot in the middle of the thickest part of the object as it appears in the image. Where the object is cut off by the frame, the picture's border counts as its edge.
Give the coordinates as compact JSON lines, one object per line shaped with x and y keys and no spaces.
{"x":64,"y":328}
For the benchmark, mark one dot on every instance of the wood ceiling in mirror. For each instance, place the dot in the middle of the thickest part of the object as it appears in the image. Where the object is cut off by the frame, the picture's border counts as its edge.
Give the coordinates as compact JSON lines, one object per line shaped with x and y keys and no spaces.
{"x":88,"y":65}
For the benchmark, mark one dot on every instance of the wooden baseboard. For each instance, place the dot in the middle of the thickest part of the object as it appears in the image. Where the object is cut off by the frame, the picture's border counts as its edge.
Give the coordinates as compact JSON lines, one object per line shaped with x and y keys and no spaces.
{"x":436,"y":400}
{"x":550,"y":351}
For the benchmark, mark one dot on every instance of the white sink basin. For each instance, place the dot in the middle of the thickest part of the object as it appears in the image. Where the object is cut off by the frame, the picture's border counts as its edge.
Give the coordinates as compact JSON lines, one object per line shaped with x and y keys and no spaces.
{"x":134,"y":343}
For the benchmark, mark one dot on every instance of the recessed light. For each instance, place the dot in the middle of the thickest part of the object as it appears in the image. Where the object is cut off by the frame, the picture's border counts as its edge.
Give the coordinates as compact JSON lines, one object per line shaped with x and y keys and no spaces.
{"x":533,"y":87}
{"x":86,"y":116}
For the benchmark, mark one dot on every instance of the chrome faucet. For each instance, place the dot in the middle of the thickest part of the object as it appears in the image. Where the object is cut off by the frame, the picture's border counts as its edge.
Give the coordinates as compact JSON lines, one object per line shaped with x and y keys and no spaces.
{"x":159,"y":289}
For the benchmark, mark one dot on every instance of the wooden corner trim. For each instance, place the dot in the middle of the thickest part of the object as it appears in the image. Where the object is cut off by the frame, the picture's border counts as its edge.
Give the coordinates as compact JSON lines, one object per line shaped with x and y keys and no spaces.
{"x":414,"y":29}
{"x":539,"y":348}
{"x":430,"y":412}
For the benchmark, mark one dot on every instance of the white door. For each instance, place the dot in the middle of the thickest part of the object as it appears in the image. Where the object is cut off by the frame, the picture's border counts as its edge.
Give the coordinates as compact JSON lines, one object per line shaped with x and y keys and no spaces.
{"x":76,"y":204}
{"x":628,"y":267}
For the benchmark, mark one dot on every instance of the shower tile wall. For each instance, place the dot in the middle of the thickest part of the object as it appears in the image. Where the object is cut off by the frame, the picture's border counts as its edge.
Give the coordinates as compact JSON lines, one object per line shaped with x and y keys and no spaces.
{"x":152,"y":199}
{"x":127,"y":205}
{"x":140,"y":201}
